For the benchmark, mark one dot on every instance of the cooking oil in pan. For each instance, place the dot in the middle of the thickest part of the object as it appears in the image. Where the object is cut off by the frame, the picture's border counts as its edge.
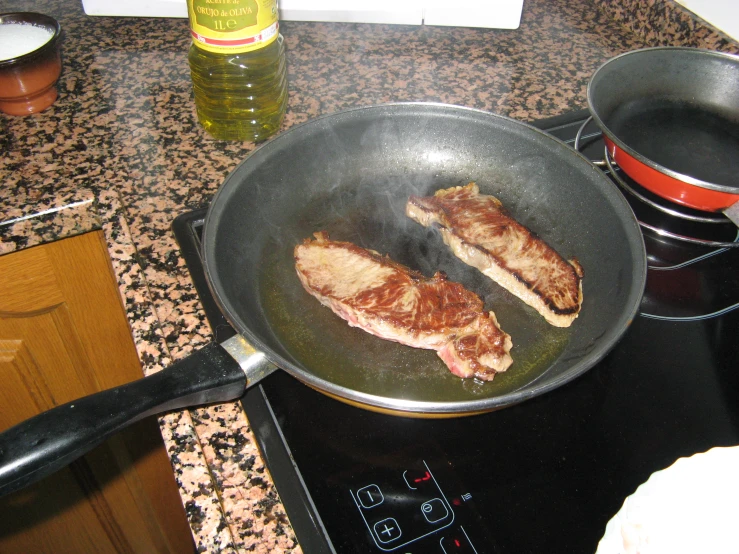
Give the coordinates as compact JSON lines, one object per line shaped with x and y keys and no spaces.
{"x":354,"y":359}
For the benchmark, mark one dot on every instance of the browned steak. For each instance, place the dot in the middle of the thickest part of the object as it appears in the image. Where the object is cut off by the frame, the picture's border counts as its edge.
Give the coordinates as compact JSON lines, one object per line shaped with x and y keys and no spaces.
{"x":393,"y":302}
{"x":482,"y":234}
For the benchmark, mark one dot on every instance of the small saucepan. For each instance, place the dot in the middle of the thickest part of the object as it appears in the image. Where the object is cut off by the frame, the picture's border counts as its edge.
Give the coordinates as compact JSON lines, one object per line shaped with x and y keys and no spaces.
{"x":670,"y":119}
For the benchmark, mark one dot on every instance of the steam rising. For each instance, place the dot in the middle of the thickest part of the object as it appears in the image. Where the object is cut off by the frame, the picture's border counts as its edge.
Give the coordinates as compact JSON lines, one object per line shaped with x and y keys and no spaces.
{"x":353,"y":179}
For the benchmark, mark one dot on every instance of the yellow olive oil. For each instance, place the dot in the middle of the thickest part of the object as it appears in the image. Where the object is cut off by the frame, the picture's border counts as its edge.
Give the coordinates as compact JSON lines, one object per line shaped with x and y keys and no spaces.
{"x":238,"y":68}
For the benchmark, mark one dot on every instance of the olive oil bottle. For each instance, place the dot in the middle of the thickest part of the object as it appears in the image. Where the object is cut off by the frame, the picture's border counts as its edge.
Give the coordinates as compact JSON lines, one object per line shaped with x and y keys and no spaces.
{"x":238,"y":68}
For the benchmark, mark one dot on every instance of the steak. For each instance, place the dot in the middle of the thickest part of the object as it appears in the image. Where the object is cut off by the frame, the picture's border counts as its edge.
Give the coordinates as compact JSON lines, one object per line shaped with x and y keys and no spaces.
{"x":393,"y":302}
{"x":482,"y":234}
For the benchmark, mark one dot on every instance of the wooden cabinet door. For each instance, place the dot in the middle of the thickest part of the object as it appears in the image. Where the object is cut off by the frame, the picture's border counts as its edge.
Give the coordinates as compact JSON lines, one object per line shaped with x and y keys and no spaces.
{"x":64,"y":334}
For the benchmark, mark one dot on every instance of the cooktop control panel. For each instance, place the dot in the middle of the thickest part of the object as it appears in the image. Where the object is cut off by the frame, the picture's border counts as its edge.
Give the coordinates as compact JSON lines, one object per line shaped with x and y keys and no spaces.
{"x":417,"y":507}
{"x":401,"y":508}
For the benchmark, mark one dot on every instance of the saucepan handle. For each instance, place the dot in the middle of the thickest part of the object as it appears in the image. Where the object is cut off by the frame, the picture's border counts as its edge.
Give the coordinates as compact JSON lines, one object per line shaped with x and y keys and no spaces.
{"x":51,"y":440}
{"x":732,"y":212}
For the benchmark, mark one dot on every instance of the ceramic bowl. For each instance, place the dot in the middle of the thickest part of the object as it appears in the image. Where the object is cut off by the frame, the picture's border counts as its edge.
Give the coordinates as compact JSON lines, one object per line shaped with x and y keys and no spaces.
{"x":28,"y":79}
{"x":689,"y":507}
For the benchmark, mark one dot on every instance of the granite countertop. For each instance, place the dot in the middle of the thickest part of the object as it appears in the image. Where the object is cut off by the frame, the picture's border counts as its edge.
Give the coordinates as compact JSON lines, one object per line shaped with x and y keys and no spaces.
{"x":121,"y":151}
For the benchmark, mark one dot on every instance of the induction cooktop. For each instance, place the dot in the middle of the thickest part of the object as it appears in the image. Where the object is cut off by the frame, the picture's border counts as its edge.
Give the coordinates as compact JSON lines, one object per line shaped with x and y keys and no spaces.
{"x":542,"y":476}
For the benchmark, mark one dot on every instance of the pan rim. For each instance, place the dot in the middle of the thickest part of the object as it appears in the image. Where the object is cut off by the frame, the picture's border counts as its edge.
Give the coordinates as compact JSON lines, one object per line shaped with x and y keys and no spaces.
{"x":687,"y":179}
{"x":458,"y":407}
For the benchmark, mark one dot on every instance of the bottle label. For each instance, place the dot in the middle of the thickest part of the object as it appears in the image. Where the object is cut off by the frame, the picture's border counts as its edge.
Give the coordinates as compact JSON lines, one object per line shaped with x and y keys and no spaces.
{"x":232,"y":26}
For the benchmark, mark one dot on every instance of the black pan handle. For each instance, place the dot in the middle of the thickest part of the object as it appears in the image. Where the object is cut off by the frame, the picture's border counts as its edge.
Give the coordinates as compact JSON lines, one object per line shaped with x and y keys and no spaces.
{"x":49,"y":441}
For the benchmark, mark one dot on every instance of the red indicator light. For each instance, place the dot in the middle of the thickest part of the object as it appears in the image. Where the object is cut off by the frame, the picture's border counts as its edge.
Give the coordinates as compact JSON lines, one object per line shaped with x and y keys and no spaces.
{"x":457,"y":502}
{"x":426,"y":477}
{"x":457,"y":543}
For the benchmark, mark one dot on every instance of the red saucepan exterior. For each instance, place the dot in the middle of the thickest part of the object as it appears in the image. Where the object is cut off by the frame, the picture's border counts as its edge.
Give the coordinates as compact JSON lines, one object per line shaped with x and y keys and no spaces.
{"x":670,"y":119}
{"x":668,"y":187}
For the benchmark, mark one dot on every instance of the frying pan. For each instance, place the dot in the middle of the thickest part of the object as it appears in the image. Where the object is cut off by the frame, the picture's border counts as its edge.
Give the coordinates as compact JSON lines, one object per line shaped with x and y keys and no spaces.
{"x":670,"y":119}
{"x":350,"y":173}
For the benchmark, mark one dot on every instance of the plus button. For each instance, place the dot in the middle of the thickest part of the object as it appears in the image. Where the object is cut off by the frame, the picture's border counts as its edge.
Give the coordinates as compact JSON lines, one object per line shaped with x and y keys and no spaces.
{"x":387,"y":530}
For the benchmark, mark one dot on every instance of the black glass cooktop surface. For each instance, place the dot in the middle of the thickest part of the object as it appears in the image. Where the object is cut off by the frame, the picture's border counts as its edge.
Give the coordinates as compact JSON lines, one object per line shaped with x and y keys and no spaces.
{"x":542,"y":476}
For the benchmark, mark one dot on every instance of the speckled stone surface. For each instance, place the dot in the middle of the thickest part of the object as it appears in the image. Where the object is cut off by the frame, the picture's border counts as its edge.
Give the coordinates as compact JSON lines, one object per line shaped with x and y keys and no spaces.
{"x":121,"y":151}
{"x":666,"y":23}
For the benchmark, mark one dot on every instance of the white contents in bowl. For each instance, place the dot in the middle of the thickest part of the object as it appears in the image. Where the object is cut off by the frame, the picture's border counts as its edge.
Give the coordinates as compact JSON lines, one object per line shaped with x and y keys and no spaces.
{"x":17,"y":39}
